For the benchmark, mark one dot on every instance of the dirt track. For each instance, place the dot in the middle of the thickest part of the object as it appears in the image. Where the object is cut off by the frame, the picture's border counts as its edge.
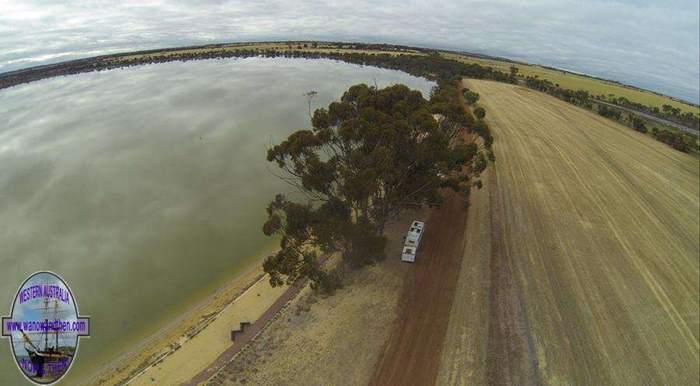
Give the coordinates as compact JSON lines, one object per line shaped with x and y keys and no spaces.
{"x":412,"y":354}
{"x":593,"y":271}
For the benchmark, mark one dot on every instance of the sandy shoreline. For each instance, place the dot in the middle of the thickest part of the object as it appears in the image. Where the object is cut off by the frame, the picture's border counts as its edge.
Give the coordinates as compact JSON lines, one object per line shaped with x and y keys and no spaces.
{"x":192,"y":344}
{"x":176,"y":331}
{"x":313,"y":340}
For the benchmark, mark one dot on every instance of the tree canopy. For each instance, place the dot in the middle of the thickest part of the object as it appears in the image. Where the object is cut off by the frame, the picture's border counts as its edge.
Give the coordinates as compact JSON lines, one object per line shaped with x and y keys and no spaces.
{"x":470,"y":96}
{"x":365,"y":158}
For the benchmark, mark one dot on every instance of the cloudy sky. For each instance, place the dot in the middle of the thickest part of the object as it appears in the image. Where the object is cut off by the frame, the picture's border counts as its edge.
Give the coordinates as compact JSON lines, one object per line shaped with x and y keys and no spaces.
{"x":651,"y":44}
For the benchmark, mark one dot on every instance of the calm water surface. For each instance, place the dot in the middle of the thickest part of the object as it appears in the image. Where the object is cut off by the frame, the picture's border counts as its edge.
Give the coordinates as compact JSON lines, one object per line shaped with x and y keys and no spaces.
{"x":145,"y":188}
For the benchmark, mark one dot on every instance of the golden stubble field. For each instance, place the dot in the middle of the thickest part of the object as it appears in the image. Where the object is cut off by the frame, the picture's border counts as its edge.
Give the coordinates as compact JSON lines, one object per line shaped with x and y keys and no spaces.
{"x":584,"y":263}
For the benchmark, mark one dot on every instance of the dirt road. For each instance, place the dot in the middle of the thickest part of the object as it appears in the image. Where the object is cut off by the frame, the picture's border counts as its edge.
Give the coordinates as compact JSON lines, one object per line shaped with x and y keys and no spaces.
{"x":412,"y":354}
{"x":594,"y":271}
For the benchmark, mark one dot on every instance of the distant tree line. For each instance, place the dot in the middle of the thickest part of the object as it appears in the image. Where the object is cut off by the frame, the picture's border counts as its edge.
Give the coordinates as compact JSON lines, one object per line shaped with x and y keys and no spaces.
{"x":609,"y":112}
{"x":666,"y":111}
{"x":682,"y":143}
{"x":578,"y":97}
{"x":636,"y":123}
{"x":677,"y":139}
{"x":430,"y":65}
{"x":584,"y":99}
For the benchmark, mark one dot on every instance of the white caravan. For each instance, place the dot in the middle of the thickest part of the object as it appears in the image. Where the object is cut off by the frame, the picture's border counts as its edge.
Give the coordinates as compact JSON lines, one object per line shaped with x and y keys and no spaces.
{"x":412,"y":241}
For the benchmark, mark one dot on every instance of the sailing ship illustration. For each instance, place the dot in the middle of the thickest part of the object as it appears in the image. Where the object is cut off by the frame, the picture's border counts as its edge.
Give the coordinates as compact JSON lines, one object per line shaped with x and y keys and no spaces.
{"x":49,"y":359}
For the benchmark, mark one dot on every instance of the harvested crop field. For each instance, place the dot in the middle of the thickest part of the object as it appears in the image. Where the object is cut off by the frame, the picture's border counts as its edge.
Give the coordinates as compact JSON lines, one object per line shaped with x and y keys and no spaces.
{"x":593,"y":275}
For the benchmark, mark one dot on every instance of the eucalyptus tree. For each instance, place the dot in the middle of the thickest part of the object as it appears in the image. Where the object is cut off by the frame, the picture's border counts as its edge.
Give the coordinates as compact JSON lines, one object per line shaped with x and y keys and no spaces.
{"x":366,"y":158}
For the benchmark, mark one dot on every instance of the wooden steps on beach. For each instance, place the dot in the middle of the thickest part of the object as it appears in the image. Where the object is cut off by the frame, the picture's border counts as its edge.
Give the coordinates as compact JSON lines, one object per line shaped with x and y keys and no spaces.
{"x":239,"y":331}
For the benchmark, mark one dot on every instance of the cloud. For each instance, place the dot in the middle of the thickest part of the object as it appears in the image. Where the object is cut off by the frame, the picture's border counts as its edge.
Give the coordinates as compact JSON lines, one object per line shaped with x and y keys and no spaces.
{"x":648,"y":44}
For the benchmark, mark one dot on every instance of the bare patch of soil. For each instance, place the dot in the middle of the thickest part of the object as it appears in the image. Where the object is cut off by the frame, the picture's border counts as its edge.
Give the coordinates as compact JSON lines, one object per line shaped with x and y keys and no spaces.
{"x":412,"y":355}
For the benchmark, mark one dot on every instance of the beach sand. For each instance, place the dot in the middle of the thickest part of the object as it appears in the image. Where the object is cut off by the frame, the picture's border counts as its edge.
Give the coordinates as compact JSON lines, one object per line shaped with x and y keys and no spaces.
{"x":197,"y":353}
{"x":195,"y":321}
{"x":329,"y":340}
{"x":350,"y":326}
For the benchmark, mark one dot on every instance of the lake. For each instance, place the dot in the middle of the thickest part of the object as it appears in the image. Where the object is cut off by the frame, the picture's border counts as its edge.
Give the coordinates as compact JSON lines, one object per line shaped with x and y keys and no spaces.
{"x":145,"y":188}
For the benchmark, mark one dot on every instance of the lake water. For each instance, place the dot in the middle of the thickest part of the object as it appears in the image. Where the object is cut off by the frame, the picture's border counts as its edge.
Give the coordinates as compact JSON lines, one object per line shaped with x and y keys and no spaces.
{"x":146,"y":187}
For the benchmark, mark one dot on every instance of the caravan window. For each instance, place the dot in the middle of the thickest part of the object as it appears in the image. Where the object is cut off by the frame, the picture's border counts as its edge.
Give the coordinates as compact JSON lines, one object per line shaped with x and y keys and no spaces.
{"x":409,"y":250}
